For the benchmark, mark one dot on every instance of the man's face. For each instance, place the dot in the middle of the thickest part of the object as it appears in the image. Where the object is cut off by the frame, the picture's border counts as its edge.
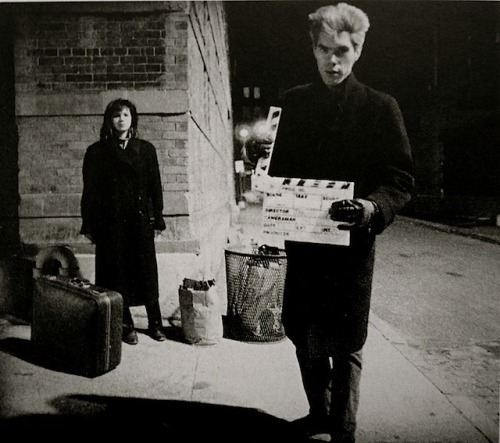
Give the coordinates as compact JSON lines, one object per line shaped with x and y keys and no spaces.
{"x":335,"y":56}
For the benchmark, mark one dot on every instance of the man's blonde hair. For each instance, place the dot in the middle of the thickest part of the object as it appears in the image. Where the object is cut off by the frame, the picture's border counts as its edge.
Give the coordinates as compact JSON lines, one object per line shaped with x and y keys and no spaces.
{"x":339,"y":18}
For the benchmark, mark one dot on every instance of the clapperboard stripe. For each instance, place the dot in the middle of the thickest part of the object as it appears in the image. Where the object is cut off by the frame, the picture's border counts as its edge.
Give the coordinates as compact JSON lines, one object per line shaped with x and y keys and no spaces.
{"x":273,"y":120}
{"x":313,"y":183}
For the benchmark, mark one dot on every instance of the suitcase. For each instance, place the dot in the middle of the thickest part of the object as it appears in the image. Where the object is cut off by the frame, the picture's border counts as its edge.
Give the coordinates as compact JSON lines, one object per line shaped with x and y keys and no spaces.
{"x":77,"y":325}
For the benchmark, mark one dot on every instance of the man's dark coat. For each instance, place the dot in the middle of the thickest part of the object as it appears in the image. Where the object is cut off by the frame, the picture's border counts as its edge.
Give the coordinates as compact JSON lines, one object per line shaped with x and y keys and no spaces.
{"x":121,"y":206}
{"x":355,"y":135}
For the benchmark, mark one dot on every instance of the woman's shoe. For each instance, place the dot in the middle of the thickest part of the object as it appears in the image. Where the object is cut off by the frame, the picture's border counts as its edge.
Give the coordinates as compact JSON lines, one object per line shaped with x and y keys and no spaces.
{"x":157,"y":334}
{"x":130,"y":336}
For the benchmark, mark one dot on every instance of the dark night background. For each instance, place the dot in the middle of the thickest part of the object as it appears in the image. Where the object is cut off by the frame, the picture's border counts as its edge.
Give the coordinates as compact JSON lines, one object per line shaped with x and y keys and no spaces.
{"x":439,"y":59}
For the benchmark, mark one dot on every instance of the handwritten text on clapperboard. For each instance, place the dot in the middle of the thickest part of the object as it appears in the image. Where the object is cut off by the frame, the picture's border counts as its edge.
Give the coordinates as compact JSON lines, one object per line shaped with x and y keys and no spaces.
{"x":297,"y":209}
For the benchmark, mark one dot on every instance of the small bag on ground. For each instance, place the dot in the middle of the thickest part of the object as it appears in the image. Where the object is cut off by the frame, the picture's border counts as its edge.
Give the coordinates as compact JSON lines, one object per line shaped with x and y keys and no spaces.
{"x":201,"y":316}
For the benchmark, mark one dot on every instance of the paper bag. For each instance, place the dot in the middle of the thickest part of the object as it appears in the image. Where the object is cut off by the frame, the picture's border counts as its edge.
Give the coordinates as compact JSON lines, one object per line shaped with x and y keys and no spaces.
{"x":201,"y":317}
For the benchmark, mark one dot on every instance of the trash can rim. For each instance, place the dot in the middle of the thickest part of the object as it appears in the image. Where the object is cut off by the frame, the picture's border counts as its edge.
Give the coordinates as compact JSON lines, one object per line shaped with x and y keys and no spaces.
{"x":245,"y":251}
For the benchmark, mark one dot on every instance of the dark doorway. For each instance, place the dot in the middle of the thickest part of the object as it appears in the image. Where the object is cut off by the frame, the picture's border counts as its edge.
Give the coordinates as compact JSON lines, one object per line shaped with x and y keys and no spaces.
{"x":9,"y":193}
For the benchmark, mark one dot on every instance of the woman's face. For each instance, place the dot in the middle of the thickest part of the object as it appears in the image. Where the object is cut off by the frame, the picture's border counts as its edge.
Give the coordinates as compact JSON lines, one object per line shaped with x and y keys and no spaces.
{"x":122,"y":120}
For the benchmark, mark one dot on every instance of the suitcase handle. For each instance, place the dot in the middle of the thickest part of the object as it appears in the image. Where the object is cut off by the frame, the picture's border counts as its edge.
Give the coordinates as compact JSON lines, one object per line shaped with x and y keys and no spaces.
{"x":79,"y":283}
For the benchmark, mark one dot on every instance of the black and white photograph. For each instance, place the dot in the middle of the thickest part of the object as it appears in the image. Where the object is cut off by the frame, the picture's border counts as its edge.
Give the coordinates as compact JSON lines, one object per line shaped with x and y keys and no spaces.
{"x":245,"y":221}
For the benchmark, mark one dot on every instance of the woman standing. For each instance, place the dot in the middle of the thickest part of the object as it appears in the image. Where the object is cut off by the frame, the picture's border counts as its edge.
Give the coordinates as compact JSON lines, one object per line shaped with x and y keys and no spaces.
{"x":121,"y":207}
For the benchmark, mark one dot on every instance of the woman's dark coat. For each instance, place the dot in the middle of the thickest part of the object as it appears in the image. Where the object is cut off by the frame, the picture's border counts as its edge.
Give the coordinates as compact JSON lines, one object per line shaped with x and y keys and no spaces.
{"x":357,"y":135}
{"x":121,"y":206}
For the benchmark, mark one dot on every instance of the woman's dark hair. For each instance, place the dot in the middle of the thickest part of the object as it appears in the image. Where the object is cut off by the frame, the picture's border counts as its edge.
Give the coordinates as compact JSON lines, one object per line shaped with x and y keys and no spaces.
{"x":114,"y":107}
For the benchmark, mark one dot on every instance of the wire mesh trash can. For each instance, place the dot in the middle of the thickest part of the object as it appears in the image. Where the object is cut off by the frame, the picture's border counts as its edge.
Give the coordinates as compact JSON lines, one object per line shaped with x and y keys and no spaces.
{"x":255,"y":285}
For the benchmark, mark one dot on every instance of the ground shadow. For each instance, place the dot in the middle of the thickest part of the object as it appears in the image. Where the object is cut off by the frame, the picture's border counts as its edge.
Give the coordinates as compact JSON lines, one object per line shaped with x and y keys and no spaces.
{"x":25,"y":350}
{"x":93,"y":416}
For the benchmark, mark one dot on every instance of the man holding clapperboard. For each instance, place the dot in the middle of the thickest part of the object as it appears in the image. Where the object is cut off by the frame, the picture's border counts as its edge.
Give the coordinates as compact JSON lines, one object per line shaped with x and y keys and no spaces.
{"x":340,"y":171}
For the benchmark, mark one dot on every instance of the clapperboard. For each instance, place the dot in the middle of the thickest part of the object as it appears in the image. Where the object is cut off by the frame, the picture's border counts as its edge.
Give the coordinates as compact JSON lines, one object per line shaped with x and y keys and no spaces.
{"x":297,"y":209}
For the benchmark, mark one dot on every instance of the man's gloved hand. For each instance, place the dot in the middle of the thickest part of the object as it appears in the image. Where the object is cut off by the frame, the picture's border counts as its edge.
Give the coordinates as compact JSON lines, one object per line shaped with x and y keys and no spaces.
{"x":354,"y":214}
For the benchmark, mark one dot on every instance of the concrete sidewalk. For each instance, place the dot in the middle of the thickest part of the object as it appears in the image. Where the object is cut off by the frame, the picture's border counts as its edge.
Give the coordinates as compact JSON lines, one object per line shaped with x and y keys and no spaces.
{"x":230,"y":392}
{"x":226,"y":392}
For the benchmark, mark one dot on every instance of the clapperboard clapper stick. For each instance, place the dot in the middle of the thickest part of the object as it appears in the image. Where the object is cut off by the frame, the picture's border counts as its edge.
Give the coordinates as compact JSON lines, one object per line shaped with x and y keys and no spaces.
{"x":261,"y":168}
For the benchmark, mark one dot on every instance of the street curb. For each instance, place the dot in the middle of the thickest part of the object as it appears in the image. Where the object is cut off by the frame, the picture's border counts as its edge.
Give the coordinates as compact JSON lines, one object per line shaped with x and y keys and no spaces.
{"x":453,"y":230}
{"x":466,"y":407}
{"x":387,"y":331}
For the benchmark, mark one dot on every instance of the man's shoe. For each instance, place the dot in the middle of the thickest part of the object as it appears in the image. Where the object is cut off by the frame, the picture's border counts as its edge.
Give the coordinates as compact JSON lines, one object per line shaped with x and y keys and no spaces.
{"x":312,"y":428}
{"x":157,"y":334}
{"x":318,"y":437}
{"x":130,"y":336}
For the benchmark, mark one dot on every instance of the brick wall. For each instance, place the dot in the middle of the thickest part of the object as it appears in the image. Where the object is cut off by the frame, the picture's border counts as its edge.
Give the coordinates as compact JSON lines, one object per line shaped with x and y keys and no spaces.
{"x":51,"y":150}
{"x":61,"y":52}
{"x":170,"y":59}
{"x":210,"y":133}
{"x":68,"y":67}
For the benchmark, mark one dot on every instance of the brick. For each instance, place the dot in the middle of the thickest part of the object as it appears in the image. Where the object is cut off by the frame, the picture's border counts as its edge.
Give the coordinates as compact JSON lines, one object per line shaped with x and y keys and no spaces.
{"x":78,"y":78}
{"x":174,"y":169}
{"x":175,"y":186}
{"x":174,"y":135}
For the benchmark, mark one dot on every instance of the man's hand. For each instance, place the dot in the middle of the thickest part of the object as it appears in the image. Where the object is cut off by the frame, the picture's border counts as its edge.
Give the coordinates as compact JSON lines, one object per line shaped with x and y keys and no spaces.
{"x":260,"y":148}
{"x":259,"y":144}
{"x":263,"y":137}
{"x":353,"y":214}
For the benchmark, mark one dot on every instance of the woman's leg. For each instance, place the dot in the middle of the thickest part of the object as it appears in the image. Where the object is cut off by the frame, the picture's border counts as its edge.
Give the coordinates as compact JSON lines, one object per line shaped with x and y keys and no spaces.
{"x":129,"y":335}
{"x":155,"y":321}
